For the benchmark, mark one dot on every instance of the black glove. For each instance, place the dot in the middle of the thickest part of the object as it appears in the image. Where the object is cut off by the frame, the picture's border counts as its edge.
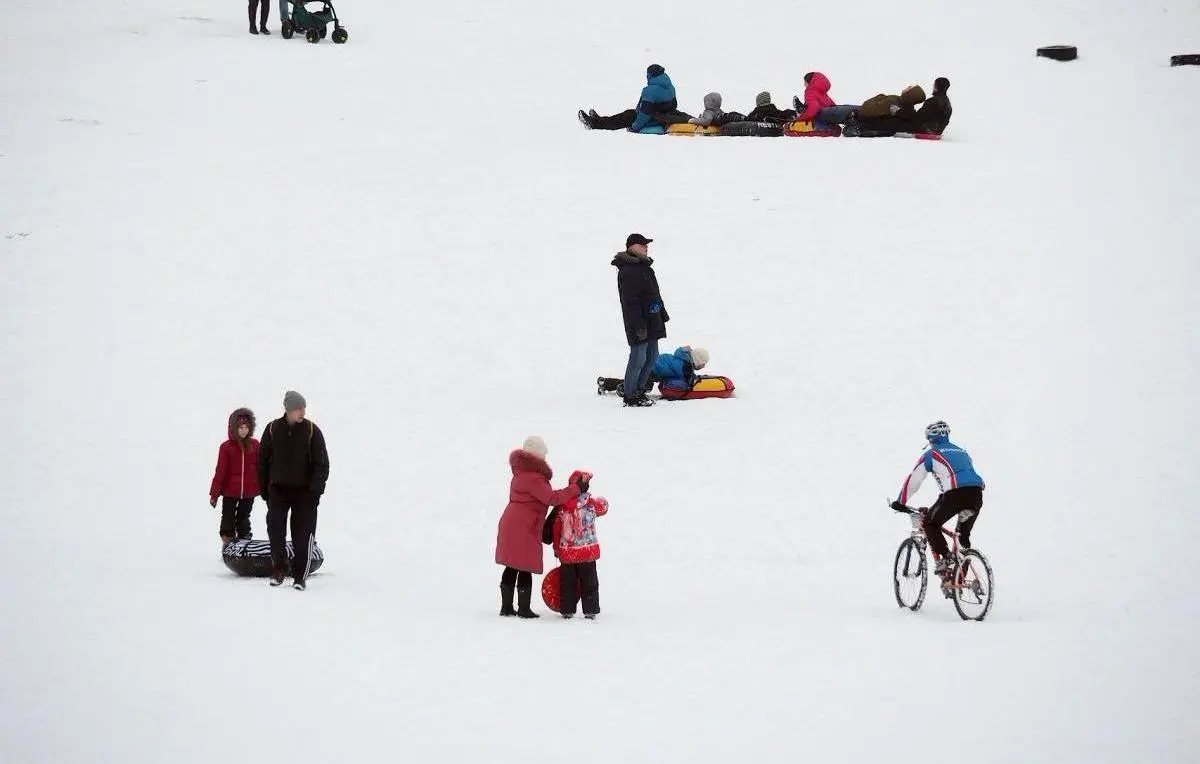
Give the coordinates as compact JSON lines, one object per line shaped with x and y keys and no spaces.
{"x":212,"y":501}
{"x":899,"y":507}
{"x":583,"y":484}
{"x":642,"y":334}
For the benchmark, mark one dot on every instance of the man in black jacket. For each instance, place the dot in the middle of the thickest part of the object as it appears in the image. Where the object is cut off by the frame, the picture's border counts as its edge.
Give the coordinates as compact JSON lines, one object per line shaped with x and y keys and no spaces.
{"x":644,"y":314}
{"x":293,"y":467}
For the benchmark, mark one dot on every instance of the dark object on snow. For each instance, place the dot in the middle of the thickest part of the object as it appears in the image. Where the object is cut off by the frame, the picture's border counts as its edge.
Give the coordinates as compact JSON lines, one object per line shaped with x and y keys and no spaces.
{"x":1059,"y":52}
{"x":1186,"y":59}
{"x":253,"y":558}
{"x":313,"y":23}
{"x":758,"y":129}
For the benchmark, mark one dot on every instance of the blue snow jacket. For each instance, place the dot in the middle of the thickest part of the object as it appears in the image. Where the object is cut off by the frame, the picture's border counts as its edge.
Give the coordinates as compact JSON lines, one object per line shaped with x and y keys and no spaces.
{"x":950,"y":466}
{"x":658,"y":97}
{"x":675,"y":370}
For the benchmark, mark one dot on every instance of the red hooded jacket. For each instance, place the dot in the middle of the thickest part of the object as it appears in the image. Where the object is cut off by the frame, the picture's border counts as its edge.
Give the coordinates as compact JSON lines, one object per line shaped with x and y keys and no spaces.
{"x":236,"y":475}
{"x":816,"y":97}
{"x":519,"y":537}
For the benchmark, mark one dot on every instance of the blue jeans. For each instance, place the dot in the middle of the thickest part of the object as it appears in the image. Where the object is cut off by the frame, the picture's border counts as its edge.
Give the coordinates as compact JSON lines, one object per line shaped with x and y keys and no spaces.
{"x":830,"y":116}
{"x":641,"y":362}
{"x":283,"y":13}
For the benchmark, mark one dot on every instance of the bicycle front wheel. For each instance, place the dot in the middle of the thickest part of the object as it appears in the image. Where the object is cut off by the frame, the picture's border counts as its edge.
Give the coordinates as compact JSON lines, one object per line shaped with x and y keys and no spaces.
{"x":973,"y":586}
{"x":910,"y":575}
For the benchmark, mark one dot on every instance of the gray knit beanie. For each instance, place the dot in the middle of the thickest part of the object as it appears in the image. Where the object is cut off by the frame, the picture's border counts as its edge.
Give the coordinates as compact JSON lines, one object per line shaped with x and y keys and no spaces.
{"x":762,"y":99}
{"x":293,"y":400}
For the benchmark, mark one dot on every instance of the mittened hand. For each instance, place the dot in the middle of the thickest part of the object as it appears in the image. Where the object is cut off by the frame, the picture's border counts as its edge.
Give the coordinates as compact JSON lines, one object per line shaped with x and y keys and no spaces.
{"x":212,"y":501}
{"x":641,"y":335}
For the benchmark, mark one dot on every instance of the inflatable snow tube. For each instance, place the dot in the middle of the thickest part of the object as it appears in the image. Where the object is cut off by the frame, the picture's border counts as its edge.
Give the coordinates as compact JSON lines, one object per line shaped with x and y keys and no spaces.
{"x":687,"y":128}
{"x":752,"y":129}
{"x":798,"y":129}
{"x":705,"y":387}
{"x":1059,"y":52}
{"x":551,"y":592}
{"x":859,"y":133}
{"x":250,"y":557}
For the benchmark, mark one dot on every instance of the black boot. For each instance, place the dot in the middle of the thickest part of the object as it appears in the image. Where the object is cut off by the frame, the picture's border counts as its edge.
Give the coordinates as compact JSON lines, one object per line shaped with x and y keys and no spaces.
{"x":506,"y":599}
{"x":250,"y":13}
{"x":523,"y":596}
{"x":262,"y":20}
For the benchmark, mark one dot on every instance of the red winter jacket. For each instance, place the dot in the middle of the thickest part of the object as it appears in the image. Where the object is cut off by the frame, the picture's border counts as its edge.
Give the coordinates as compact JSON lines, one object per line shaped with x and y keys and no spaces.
{"x":575,"y":537}
{"x":519,"y":537}
{"x":816,"y":97}
{"x":236,"y":475}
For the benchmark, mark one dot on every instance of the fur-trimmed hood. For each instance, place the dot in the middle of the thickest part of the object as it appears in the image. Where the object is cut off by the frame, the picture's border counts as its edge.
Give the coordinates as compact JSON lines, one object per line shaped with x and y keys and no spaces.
{"x":524,"y":461}
{"x":233,"y":419}
{"x":628,"y":258}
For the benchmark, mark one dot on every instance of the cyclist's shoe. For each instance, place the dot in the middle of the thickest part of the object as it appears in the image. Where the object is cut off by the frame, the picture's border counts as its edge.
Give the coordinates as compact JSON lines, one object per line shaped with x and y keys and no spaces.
{"x":945,"y":566}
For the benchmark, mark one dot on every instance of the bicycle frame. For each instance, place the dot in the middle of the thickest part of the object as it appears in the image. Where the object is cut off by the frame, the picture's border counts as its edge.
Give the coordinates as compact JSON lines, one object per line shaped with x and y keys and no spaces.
{"x":918,"y":534}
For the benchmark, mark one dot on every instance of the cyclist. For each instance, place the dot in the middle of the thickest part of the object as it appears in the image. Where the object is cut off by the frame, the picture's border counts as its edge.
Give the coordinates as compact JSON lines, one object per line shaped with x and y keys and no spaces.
{"x":961,"y":493}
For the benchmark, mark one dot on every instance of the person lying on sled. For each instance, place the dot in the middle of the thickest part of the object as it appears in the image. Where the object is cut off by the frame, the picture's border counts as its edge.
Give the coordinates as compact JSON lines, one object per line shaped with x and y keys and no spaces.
{"x":678,"y":370}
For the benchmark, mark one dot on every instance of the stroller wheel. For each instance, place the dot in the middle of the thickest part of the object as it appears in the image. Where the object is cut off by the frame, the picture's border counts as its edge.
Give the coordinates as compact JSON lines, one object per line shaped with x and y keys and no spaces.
{"x":312,"y":36}
{"x":323,"y":32}
{"x":288,"y":29}
{"x":340,"y":35}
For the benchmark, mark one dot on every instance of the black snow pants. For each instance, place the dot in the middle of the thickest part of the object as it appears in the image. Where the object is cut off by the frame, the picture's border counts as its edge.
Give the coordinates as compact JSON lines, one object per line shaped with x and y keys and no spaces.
{"x":235,"y":517}
{"x":266,"y":10}
{"x":622,"y":121}
{"x":949,"y":504}
{"x":579,"y":582}
{"x":521,"y":579}
{"x":302,"y":504}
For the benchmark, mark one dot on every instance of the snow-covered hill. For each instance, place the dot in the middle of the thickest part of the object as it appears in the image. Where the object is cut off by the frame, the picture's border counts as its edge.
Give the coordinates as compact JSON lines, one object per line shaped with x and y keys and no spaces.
{"x":413,"y":230}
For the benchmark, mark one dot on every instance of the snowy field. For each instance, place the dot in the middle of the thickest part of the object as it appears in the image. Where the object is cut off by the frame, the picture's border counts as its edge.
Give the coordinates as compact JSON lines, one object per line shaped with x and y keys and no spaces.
{"x":413,"y":230}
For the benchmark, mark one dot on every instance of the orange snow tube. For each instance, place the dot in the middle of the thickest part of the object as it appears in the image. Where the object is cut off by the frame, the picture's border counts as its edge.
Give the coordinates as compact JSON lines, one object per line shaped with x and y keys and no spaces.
{"x":705,"y":387}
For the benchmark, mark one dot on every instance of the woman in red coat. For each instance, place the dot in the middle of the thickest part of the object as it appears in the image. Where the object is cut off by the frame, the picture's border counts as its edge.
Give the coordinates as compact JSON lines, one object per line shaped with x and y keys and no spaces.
{"x":519,"y":537}
{"x":236,"y":477}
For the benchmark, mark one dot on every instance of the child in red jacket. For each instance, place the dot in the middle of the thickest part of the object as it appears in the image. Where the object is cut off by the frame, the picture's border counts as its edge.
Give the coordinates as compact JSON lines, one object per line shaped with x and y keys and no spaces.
{"x":236,"y":477}
{"x":577,"y":548}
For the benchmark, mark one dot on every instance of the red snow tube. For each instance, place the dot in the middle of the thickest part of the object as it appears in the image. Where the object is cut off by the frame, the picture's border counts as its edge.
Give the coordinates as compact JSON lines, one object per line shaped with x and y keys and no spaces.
{"x":705,"y":387}
{"x":551,"y":594}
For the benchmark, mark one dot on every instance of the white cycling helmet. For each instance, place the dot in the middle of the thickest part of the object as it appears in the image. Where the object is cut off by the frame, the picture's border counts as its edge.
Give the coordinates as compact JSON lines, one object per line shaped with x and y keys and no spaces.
{"x":939,"y":430}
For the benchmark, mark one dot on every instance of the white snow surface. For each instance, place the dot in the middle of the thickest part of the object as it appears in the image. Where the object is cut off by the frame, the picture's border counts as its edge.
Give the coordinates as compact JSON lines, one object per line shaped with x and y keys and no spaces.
{"x":413,"y":230}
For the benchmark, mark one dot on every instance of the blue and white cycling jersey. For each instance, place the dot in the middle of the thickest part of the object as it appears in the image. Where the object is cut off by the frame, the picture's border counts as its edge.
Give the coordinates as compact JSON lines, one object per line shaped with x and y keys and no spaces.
{"x":950,"y":465}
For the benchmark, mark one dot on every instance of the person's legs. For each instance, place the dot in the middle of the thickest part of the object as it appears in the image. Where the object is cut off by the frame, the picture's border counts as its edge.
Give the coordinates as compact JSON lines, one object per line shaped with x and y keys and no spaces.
{"x":633,"y":369}
{"x":251,"y":9}
{"x":242,"y":517}
{"x":648,"y":364}
{"x":508,"y":586}
{"x":264,"y":14}
{"x":568,"y":589}
{"x":589,"y":588}
{"x":228,"y":519}
{"x":973,"y":503}
{"x":836,"y":115}
{"x":622,"y":121}
{"x":283,"y":11}
{"x":304,"y":530}
{"x":937,"y":516}
{"x":278,"y":503}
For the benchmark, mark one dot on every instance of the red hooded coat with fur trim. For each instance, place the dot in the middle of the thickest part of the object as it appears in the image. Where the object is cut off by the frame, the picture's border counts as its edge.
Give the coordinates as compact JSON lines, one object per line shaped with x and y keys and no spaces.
{"x":236,"y":475}
{"x":519,"y":537}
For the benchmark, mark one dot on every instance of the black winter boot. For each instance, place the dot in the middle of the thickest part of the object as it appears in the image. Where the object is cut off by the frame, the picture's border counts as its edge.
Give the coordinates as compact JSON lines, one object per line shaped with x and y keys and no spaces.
{"x":253,"y":28}
{"x":506,"y":599}
{"x":523,"y":596}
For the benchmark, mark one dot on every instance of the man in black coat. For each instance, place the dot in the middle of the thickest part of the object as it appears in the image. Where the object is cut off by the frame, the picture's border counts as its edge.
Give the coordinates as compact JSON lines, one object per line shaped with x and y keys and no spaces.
{"x":293,"y":467}
{"x":934,"y":114}
{"x":644,"y":314}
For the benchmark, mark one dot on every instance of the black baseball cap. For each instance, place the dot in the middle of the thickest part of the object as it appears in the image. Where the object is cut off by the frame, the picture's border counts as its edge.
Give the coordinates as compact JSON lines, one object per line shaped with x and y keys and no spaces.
{"x":637,"y":238}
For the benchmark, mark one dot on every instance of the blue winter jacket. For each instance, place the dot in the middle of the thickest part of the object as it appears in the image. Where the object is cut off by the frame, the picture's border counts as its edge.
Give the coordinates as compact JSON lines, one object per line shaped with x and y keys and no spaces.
{"x":950,"y":466}
{"x":670,"y":368}
{"x":658,"y":96}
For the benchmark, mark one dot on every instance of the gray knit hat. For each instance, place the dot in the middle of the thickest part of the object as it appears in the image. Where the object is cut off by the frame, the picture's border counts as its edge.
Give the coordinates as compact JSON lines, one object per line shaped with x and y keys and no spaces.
{"x":293,"y":400}
{"x":762,"y":99}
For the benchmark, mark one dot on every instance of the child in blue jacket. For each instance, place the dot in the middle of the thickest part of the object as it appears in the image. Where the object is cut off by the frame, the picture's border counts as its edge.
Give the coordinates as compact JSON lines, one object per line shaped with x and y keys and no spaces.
{"x":678,"y":370}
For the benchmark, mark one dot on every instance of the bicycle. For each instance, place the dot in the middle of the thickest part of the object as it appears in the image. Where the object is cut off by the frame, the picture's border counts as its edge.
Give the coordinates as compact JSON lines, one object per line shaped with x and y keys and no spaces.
{"x":969,"y":584}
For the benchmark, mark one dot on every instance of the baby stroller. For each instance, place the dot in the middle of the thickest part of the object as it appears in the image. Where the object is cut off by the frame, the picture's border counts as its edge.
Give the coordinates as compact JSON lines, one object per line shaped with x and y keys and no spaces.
{"x":313,"y":23}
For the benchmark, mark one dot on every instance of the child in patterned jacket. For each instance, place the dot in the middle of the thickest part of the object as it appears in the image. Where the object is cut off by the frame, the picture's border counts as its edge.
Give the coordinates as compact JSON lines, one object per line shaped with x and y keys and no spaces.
{"x":577,"y":548}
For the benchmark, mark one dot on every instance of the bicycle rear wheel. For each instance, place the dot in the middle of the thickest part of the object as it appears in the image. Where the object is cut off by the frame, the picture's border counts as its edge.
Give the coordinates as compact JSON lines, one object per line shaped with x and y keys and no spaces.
{"x":910,"y":575}
{"x":973,"y":586}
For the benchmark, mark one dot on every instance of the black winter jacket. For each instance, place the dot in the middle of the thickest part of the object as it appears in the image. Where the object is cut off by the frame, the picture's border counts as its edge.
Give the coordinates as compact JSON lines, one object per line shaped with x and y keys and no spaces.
{"x":642,"y":305}
{"x":293,"y":455}
{"x":934,"y":114}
